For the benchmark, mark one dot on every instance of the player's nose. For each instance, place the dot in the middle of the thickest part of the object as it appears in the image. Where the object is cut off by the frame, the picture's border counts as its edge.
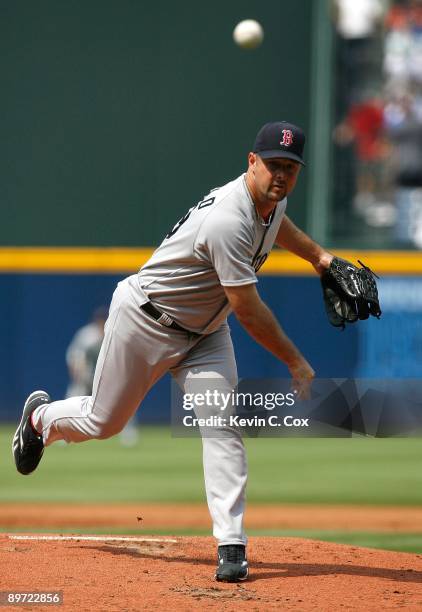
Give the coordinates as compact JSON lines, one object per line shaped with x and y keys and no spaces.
{"x":280,"y":174}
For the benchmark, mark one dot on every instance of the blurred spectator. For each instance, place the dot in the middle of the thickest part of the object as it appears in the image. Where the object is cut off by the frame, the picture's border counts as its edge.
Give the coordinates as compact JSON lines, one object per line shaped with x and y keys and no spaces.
{"x":81,"y":359}
{"x":357,"y":22}
{"x":358,"y":19}
{"x":404,"y":127}
{"x":364,"y":128}
{"x":403,"y":43}
{"x":381,"y":156}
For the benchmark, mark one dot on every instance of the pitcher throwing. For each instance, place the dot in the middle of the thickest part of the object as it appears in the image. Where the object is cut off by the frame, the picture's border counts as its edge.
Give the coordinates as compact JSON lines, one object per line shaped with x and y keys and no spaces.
{"x":171,"y":316}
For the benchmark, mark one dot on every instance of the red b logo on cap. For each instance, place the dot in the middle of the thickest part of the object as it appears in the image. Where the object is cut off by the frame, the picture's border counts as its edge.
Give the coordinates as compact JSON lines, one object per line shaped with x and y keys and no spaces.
{"x":287,"y":138}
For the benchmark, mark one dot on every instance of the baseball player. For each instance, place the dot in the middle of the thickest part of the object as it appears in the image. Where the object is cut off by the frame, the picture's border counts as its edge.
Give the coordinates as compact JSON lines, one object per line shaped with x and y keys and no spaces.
{"x":81,"y":359}
{"x":171,"y":316}
{"x":82,"y":354}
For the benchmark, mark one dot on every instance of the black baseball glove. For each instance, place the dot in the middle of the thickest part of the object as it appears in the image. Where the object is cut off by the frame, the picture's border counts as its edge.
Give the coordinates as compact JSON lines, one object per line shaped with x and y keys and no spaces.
{"x":350,"y":293}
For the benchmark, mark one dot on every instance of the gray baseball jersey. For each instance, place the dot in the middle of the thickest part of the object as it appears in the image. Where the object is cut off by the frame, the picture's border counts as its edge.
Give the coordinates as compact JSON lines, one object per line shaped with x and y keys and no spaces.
{"x":222,"y":241}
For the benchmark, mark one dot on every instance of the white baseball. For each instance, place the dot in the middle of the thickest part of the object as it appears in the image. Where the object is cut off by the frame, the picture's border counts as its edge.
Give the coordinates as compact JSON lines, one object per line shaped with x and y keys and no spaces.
{"x":248,"y":34}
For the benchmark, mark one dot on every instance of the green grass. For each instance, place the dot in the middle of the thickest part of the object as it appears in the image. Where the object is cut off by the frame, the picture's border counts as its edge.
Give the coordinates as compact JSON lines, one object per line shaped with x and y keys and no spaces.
{"x":400,"y":542}
{"x":166,"y":469}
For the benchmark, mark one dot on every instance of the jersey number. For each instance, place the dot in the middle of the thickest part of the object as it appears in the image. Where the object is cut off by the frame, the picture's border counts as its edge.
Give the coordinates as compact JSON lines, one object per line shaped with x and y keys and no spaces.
{"x":181,"y":221}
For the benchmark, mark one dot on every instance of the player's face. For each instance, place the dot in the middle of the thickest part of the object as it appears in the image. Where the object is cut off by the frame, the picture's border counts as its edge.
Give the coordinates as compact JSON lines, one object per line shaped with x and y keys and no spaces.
{"x":274,"y":178}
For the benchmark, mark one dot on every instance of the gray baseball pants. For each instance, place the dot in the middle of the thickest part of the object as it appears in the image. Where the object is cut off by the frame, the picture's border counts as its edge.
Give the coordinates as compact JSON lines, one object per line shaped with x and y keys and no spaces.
{"x":136,"y":352}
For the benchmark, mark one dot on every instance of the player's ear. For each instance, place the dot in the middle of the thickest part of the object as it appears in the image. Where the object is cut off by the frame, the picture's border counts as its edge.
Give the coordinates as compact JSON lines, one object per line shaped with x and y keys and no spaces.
{"x":251,"y":159}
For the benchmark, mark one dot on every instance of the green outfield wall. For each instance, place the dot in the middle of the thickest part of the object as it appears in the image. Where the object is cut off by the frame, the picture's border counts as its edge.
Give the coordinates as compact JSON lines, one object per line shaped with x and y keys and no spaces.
{"x":118,"y":116}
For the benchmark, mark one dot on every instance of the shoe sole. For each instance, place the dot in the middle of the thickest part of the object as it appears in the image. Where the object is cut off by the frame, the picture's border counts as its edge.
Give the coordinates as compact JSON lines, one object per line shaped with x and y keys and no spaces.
{"x":27,"y":409}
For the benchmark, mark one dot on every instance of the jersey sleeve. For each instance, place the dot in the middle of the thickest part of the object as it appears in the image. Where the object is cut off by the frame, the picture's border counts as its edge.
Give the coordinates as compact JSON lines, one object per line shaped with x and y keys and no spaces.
{"x":226,"y":243}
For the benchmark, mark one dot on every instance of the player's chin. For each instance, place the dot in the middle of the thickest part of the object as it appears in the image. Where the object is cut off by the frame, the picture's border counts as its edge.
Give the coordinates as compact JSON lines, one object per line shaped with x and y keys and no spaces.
{"x":277,"y":193}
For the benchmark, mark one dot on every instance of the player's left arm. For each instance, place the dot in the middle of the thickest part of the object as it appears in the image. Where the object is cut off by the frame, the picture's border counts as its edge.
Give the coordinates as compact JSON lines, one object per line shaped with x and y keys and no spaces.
{"x":293,"y":239}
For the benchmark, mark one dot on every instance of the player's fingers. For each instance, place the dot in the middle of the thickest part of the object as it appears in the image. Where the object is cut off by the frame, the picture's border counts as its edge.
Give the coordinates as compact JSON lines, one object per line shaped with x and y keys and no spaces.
{"x":363,"y":309}
{"x":301,"y":387}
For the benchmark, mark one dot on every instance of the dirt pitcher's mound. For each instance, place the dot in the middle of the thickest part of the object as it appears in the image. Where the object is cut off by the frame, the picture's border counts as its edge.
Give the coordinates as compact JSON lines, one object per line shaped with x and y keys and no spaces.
{"x":176,"y":573}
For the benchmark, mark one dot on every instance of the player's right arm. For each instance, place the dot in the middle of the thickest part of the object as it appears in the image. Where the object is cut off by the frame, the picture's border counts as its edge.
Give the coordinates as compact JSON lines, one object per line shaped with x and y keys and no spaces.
{"x":258,"y":320}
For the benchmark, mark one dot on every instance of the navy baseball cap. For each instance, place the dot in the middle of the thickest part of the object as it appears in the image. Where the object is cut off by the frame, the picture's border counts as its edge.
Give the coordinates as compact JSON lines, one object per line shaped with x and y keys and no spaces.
{"x":280,"y":139}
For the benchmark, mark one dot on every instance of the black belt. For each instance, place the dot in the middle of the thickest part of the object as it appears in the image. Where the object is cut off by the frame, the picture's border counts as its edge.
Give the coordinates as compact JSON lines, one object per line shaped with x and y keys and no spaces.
{"x":162,"y":317}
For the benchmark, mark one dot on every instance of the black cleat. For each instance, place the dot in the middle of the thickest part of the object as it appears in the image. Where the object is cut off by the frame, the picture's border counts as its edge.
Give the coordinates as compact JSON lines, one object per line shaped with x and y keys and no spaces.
{"x":27,"y":446}
{"x":232,"y":563}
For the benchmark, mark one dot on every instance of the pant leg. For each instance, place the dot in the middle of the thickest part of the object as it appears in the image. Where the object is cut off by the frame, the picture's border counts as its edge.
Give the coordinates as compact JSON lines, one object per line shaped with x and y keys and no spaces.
{"x":135,"y":353}
{"x":212,"y":361}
